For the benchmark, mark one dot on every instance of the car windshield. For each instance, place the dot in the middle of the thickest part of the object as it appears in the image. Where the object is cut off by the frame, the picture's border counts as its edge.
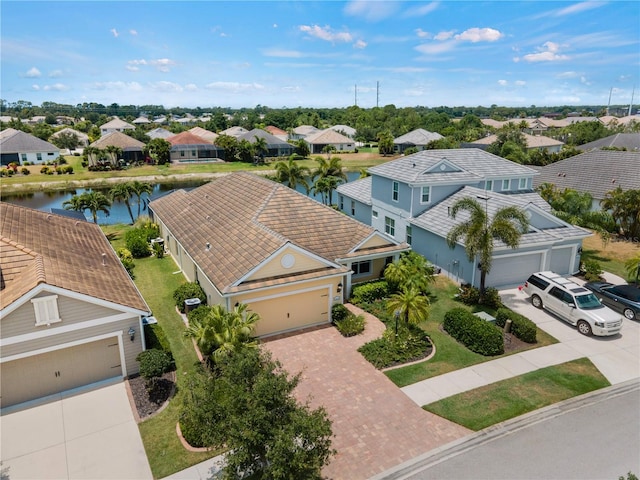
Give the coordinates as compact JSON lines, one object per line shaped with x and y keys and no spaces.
{"x":588,"y":302}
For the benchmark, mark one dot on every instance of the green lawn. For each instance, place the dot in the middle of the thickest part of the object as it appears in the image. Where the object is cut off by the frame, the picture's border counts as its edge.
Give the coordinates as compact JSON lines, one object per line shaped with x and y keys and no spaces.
{"x":156,"y":280}
{"x":516,"y":396}
{"x":450,"y":355}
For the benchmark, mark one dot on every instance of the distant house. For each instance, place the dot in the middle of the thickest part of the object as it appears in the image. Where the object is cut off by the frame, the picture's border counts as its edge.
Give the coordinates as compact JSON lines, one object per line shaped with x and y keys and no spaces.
{"x":319,"y":140}
{"x":277,"y":132}
{"x":159,"y":133}
{"x":132,"y":149}
{"x":418,"y":138}
{"x":70,"y":314}
{"x":628,"y":141}
{"x":277,"y":147}
{"x":234,"y":131}
{"x":410,"y":199}
{"x":19,"y":147}
{"x":345,"y":130}
{"x":141,"y":120}
{"x":203,"y":133}
{"x":287,"y":256}
{"x":534,"y":142}
{"x":595,"y":172}
{"x":82,"y":137}
{"x":115,"y":125}
{"x":187,"y":147}
{"x":303,"y":131}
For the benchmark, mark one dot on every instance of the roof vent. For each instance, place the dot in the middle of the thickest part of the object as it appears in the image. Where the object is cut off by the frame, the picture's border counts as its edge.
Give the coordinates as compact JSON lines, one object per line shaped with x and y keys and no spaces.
{"x":613,"y":180}
{"x":208,"y":246}
{"x":48,"y":217}
{"x":104,"y":259}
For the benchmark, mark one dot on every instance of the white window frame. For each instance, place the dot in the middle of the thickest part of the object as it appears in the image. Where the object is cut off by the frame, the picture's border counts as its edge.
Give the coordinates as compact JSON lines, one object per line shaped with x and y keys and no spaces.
{"x":422,"y":194}
{"x":522,"y":184}
{"x":374,"y":214}
{"x":488,"y":185}
{"x":395,"y":191}
{"x":356,"y":268}
{"x":389,"y":226}
{"x":46,"y":310}
{"x":508,"y":182}
{"x":409,"y":234}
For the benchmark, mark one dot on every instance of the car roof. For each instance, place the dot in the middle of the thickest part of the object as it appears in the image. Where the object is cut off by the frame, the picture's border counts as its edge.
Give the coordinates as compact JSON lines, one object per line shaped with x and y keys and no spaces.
{"x":565,"y":282}
{"x":632,"y":290}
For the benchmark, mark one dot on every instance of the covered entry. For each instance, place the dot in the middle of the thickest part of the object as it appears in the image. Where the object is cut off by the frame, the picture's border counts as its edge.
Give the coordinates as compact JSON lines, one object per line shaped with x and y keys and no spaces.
{"x":512,"y":269}
{"x":292,"y":310}
{"x":53,"y":372}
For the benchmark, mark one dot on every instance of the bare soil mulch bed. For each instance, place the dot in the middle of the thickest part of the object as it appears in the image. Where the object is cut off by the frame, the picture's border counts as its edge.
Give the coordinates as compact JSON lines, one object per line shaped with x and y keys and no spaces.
{"x":149,"y":402}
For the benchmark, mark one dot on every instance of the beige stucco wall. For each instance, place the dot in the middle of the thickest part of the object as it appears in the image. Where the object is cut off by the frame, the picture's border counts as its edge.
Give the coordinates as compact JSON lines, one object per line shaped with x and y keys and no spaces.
{"x":301,"y":262}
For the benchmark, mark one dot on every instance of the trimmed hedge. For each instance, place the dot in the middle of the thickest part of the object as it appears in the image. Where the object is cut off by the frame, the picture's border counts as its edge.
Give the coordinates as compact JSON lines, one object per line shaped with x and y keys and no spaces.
{"x":369,"y":292}
{"x":476,"y":334}
{"x":411,"y":344}
{"x":521,"y":327}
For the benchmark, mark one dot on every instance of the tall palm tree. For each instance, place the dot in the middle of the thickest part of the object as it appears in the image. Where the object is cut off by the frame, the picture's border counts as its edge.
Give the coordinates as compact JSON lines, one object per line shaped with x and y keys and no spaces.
{"x":114,"y":153}
{"x":330,"y":173}
{"x":96,"y":202}
{"x":291,"y":174}
{"x":74,"y":203}
{"x":410,"y":305}
{"x":122,"y":192}
{"x":260,"y":147}
{"x":479,"y":232}
{"x":139,"y":189}
{"x":322,"y":186}
{"x":92,"y":154}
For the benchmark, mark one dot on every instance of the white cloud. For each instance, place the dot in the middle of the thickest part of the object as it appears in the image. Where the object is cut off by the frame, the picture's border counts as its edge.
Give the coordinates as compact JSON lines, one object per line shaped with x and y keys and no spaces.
{"x":235,"y":87}
{"x":166,"y":86}
{"x":291,"y":88}
{"x":33,"y":72}
{"x":444,"y":35}
{"x":133,"y":32}
{"x":326,"y":33}
{"x":422,"y":34}
{"x":504,"y":83}
{"x":56,"y":87}
{"x":162,"y":64}
{"x":520,"y":83}
{"x":475,"y":35}
{"x":360,"y":44}
{"x":547,"y":53}
{"x":276,"y":52}
{"x":114,"y":32}
{"x":584,"y":80}
{"x":435,"y":48}
{"x":422,"y":10}
{"x":191,"y":87}
{"x":275,"y":25}
{"x":370,"y":11}
{"x":35,"y":87}
{"x":118,"y":86}
{"x":406,"y":69}
{"x":55,"y":74}
{"x":567,"y":75}
{"x":577,"y":8}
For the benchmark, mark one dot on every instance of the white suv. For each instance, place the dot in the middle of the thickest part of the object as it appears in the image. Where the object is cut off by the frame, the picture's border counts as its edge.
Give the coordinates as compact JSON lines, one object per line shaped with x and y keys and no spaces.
{"x":573,"y":303}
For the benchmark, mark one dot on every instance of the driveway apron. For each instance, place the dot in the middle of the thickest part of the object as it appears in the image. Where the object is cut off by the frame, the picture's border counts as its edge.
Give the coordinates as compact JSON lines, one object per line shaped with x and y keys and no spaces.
{"x":375,"y":425}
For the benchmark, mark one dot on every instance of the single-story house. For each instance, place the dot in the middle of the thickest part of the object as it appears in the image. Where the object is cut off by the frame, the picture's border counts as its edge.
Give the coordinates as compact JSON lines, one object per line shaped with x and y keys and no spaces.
{"x":345,"y":130}
{"x":303,"y":131}
{"x":277,"y":132}
{"x":410,"y":200}
{"x":70,"y":314}
{"x":277,"y":147}
{"x":418,"y":138}
{"x":187,"y":147}
{"x":20,"y":147}
{"x":534,"y":142}
{"x":83,"y":138}
{"x":628,"y":141}
{"x":247,"y":239}
{"x":115,"y":125}
{"x":319,"y":140}
{"x":595,"y":172}
{"x":159,"y":133}
{"x":132,"y":149}
{"x":141,"y":120}
{"x":234,"y":131}
{"x":204,"y":133}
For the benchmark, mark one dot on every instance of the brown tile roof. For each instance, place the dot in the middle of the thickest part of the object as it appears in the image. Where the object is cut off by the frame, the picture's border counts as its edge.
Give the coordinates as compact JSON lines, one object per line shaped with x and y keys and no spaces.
{"x":118,"y":139}
{"x":187,"y":138}
{"x":275,"y":130}
{"x":246,"y":218}
{"x":38,"y":247}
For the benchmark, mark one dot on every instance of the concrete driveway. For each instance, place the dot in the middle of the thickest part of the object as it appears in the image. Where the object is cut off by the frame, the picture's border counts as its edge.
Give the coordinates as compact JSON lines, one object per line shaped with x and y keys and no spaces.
{"x":85,"y":436}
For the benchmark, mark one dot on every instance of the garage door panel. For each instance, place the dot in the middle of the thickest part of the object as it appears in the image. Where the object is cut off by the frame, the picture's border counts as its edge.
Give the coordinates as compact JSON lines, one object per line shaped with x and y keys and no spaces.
{"x":512,"y":270}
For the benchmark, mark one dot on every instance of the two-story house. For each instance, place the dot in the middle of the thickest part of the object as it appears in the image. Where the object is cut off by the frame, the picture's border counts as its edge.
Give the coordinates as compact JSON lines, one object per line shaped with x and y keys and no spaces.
{"x":410,"y":200}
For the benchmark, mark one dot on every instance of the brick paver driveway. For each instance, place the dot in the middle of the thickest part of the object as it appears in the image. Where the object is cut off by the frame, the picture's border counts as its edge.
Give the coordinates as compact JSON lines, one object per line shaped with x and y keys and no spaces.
{"x":376,"y":426}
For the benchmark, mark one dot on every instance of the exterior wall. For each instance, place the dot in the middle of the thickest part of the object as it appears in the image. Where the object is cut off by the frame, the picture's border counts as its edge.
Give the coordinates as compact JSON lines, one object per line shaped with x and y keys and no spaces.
{"x":33,"y":157}
{"x":437,"y":194}
{"x":274,"y":267}
{"x":381,"y":193}
{"x":540,"y":221}
{"x":358,"y":210}
{"x":434,"y":248}
{"x":377,"y":270}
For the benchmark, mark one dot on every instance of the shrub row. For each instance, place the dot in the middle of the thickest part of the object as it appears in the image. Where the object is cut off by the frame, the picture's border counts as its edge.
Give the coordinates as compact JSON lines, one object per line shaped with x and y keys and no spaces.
{"x":476,"y":334}
{"x":369,"y":292}
{"x":521,"y":327}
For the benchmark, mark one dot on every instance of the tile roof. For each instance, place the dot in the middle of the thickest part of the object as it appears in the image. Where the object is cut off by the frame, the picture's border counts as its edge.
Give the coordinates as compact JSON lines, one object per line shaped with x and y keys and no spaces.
{"x":327,"y":136}
{"x":474,"y":164}
{"x":345,"y":130}
{"x":275,"y":130}
{"x":420,"y":136}
{"x":306,"y":130}
{"x":246,"y":219}
{"x":187,"y":138}
{"x":118,"y":139}
{"x":630,"y":141}
{"x":533,"y":141}
{"x":80,"y":135}
{"x":116,"y":123}
{"x":359,"y":190}
{"x":234,"y":131}
{"x":204,"y":133}
{"x":17,"y":141}
{"x":272,"y":141}
{"x":38,"y":247}
{"x":596,"y":172}
{"x":159,"y":133}
{"x":438,"y":220}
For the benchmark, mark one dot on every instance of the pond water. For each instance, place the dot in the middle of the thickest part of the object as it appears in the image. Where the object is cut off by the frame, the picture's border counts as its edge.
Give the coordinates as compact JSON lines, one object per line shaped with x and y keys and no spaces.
{"x":118,"y":213}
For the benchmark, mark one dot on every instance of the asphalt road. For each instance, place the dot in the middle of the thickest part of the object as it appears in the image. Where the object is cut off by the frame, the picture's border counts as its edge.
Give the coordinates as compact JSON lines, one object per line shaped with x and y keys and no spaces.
{"x":596,"y":437}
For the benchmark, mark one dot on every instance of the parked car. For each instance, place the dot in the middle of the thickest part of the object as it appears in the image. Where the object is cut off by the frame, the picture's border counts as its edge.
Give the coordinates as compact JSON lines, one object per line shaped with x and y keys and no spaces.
{"x":573,"y":303}
{"x":621,"y":298}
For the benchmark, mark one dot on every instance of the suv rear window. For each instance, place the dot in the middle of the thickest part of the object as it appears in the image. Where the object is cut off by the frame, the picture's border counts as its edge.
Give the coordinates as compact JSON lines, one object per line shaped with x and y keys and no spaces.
{"x":538,"y":282}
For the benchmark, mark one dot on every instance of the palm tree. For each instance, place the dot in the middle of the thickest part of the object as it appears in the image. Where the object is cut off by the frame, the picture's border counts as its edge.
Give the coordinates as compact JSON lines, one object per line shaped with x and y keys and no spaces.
{"x":364,"y":173}
{"x":114,"y":153}
{"x":508,"y":225}
{"x":633,"y":267}
{"x":74,"y":203}
{"x":139,"y":189}
{"x":412,"y":270}
{"x":122,"y":192}
{"x":260,"y":147}
{"x":330,"y":174}
{"x":92,"y":154}
{"x":291,"y":174}
{"x":328,"y":149}
{"x":322,"y":186}
{"x":409,"y":304}
{"x":96,"y":202}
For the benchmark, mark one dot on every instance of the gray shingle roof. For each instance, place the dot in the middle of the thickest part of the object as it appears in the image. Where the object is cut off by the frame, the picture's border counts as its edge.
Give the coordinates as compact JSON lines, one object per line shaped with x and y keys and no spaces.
{"x":473,"y":165}
{"x":630,"y":141}
{"x":438,"y":220}
{"x":17,"y":141}
{"x":596,"y":172}
{"x":419,"y":136}
{"x":359,"y":190}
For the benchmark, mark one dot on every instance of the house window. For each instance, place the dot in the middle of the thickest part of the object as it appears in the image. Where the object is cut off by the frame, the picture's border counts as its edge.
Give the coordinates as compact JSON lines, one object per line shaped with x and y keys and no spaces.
{"x":389,"y":226}
{"x":488,"y":185}
{"x":193,"y":154}
{"x":182,"y":153}
{"x":505,"y":184}
{"x":361,"y":268}
{"x":409,"y":237}
{"x":39,"y":156}
{"x":46,"y":310}
{"x":50,"y":154}
{"x":341,"y":198}
{"x":426,"y":195}
{"x":24,"y":157}
{"x":522,"y":184}
{"x":353,"y":207}
{"x":395,"y":195}
{"x":374,"y":213}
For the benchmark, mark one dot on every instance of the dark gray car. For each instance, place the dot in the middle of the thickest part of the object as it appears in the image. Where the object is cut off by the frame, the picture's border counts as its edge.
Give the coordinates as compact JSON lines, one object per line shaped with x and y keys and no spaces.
{"x":621,"y":298}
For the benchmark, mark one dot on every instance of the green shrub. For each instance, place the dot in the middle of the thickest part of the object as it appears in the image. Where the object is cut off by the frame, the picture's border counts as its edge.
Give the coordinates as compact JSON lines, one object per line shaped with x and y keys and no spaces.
{"x":158,"y":250}
{"x":45,"y":170}
{"x":370,"y":292}
{"x":127,"y":260}
{"x":68,"y":170}
{"x":25,"y":171}
{"x":411,"y":344}
{"x":339,"y":312}
{"x":137,"y":243}
{"x":59,"y":170}
{"x":592,"y":270}
{"x":411,"y":150}
{"x":186,"y":291}
{"x":153,"y":364}
{"x":469,"y":295}
{"x":198,"y":314}
{"x":476,"y":334}
{"x":145,"y":224}
{"x":521,"y":327}
{"x":351,"y":325}
{"x":492,"y":298}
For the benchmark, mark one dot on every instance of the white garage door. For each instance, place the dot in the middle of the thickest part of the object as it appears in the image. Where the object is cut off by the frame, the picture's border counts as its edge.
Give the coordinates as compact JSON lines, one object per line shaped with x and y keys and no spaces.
{"x":293,"y":311}
{"x":513,"y":270}
{"x":54,"y":372}
{"x":561,"y":260}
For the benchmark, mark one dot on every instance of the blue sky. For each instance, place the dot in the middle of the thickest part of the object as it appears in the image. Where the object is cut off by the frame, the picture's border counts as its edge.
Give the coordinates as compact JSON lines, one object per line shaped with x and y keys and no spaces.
{"x":314,"y":54}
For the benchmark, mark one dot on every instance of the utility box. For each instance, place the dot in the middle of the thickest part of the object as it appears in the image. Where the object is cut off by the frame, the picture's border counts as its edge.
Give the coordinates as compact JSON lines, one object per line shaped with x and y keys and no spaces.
{"x":191,"y":304}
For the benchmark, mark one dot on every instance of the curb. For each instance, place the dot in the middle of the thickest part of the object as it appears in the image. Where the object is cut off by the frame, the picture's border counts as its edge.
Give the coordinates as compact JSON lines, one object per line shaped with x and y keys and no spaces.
{"x":438,"y":455}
